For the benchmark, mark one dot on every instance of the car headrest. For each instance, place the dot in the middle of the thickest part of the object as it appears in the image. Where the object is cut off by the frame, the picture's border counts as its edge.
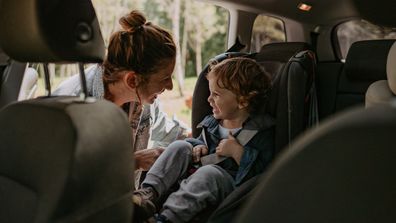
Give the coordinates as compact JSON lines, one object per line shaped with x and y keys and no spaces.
{"x":281,"y":52}
{"x":69,"y":164}
{"x":391,"y":69}
{"x":51,"y":31}
{"x":378,"y":12}
{"x":367,"y":60}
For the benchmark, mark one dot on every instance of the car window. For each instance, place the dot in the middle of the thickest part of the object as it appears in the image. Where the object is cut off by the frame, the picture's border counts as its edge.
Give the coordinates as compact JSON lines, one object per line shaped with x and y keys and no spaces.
{"x":201,"y":33}
{"x":357,"y":30}
{"x":267,"y":29}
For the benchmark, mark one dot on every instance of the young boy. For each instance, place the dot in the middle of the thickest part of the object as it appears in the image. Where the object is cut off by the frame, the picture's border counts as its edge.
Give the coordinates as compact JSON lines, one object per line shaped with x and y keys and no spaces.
{"x":236,"y":131}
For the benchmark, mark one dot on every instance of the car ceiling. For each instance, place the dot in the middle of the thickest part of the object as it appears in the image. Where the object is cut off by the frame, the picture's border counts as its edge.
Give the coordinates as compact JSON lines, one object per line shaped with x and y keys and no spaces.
{"x":323,"y":12}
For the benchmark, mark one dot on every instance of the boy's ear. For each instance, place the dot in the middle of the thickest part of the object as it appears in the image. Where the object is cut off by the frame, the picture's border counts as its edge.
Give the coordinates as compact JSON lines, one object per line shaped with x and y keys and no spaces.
{"x":130,"y":79}
{"x":243,"y":103}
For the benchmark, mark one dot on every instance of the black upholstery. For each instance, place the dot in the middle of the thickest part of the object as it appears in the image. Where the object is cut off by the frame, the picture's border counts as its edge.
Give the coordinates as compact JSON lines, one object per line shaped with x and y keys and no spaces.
{"x":65,"y":161}
{"x":292,"y":95}
{"x":366,"y":60}
{"x":327,"y":81}
{"x":342,"y":171}
{"x":365,"y":64}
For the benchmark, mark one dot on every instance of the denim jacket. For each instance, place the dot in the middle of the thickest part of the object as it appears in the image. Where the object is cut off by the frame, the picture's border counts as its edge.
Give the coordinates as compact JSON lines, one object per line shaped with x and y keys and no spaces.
{"x":256,"y":137}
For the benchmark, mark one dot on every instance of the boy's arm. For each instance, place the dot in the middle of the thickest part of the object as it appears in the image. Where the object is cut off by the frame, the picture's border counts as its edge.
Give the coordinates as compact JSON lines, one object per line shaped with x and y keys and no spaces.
{"x":230,"y":148}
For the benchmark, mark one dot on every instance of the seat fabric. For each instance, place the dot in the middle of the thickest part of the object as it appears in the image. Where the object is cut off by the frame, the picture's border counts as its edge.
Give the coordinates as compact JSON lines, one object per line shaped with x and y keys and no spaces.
{"x":343,"y":171}
{"x":61,"y":161}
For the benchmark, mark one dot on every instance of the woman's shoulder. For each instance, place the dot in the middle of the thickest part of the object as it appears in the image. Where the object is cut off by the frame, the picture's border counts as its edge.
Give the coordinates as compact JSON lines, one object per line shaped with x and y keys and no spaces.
{"x":72,"y":85}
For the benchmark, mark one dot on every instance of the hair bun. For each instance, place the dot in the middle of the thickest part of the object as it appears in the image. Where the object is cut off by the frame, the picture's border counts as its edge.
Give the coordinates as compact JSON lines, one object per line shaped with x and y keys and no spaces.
{"x":132,"y":21}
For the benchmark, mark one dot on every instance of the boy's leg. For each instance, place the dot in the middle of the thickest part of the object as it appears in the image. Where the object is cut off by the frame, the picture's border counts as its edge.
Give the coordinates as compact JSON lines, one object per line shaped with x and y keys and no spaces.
{"x":169,"y":167}
{"x":172,"y":165}
{"x":209,"y":185}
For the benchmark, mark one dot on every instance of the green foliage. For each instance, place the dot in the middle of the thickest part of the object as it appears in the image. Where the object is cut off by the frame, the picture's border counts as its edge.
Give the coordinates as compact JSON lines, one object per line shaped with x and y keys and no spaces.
{"x":217,"y":43}
{"x":157,"y":14}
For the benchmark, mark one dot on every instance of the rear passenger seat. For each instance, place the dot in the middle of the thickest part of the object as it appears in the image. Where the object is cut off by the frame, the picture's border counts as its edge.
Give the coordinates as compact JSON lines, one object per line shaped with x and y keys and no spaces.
{"x":292,"y":66}
{"x":292,"y":80}
{"x":341,"y":86}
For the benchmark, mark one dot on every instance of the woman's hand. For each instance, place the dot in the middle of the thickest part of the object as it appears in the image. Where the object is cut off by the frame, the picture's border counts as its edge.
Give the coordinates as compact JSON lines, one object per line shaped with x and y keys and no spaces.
{"x":198,"y":152}
{"x":145,"y":158}
{"x":231,"y":148}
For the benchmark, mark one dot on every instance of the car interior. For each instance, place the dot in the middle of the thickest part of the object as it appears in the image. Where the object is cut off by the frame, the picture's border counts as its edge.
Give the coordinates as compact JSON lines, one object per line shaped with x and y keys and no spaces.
{"x":335,"y":118}
{"x":59,"y":161}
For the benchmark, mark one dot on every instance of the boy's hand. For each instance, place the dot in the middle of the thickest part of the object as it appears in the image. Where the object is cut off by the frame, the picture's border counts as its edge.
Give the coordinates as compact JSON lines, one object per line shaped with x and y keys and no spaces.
{"x":230,"y":148}
{"x":198,"y":152}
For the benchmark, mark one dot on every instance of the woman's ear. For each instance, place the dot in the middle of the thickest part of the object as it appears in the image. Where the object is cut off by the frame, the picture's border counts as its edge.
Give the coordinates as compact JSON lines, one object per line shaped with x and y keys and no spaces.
{"x":130,"y":79}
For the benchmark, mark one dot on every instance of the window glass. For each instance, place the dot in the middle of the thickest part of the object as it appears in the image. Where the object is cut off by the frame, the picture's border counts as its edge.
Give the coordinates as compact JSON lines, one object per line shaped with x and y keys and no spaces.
{"x":267,"y":29}
{"x":357,"y":30}
{"x":199,"y":30}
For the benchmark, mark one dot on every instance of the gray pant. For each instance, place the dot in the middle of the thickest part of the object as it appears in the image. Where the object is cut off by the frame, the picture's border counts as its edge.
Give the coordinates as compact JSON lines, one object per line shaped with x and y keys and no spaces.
{"x":209,"y":185}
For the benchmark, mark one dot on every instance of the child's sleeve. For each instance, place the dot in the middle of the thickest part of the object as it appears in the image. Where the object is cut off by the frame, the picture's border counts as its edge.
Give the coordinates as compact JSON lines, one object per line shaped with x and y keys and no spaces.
{"x":195,"y":141}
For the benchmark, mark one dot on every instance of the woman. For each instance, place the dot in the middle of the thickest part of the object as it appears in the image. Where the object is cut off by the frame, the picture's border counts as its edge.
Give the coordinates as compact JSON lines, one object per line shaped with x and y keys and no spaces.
{"x":139,"y":66}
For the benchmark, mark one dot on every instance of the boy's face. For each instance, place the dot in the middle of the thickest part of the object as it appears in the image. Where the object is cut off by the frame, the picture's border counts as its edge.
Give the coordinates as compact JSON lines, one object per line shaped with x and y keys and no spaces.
{"x":223,"y":102}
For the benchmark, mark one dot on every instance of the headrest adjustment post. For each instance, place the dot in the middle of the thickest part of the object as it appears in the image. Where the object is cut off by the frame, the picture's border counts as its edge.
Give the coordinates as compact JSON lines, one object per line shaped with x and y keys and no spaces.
{"x":47,"y":80}
{"x":84,"y":92}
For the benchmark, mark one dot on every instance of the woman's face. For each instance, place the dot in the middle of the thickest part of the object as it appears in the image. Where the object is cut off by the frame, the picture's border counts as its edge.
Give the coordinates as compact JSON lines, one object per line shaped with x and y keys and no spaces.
{"x":157,"y":83}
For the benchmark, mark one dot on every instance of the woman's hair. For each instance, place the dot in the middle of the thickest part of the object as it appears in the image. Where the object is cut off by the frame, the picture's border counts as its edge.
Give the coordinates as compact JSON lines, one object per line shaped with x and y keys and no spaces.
{"x":139,"y":46}
{"x":245,"y":78}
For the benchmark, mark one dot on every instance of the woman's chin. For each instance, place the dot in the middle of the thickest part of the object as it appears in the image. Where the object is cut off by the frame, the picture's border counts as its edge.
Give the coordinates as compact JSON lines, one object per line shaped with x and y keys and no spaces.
{"x":150,"y":100}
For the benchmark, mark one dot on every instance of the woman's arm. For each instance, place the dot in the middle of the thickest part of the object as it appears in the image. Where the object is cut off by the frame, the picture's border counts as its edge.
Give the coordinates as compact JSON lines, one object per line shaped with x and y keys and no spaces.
{"x":164,"y":129}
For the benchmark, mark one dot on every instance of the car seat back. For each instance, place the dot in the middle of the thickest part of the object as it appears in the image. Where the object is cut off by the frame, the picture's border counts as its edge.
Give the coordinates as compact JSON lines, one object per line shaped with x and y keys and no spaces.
{"x":341,"y":171}
{"x":365,"y":64}
{"x":384,"y":91}
{"x":62,"y":161}
{"x":293,"y":100}
{"x":43,"y":26}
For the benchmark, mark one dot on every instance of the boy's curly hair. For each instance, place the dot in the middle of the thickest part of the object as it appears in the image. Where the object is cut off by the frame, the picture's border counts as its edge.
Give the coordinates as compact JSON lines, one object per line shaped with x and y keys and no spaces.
{"x":245,"y":78}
